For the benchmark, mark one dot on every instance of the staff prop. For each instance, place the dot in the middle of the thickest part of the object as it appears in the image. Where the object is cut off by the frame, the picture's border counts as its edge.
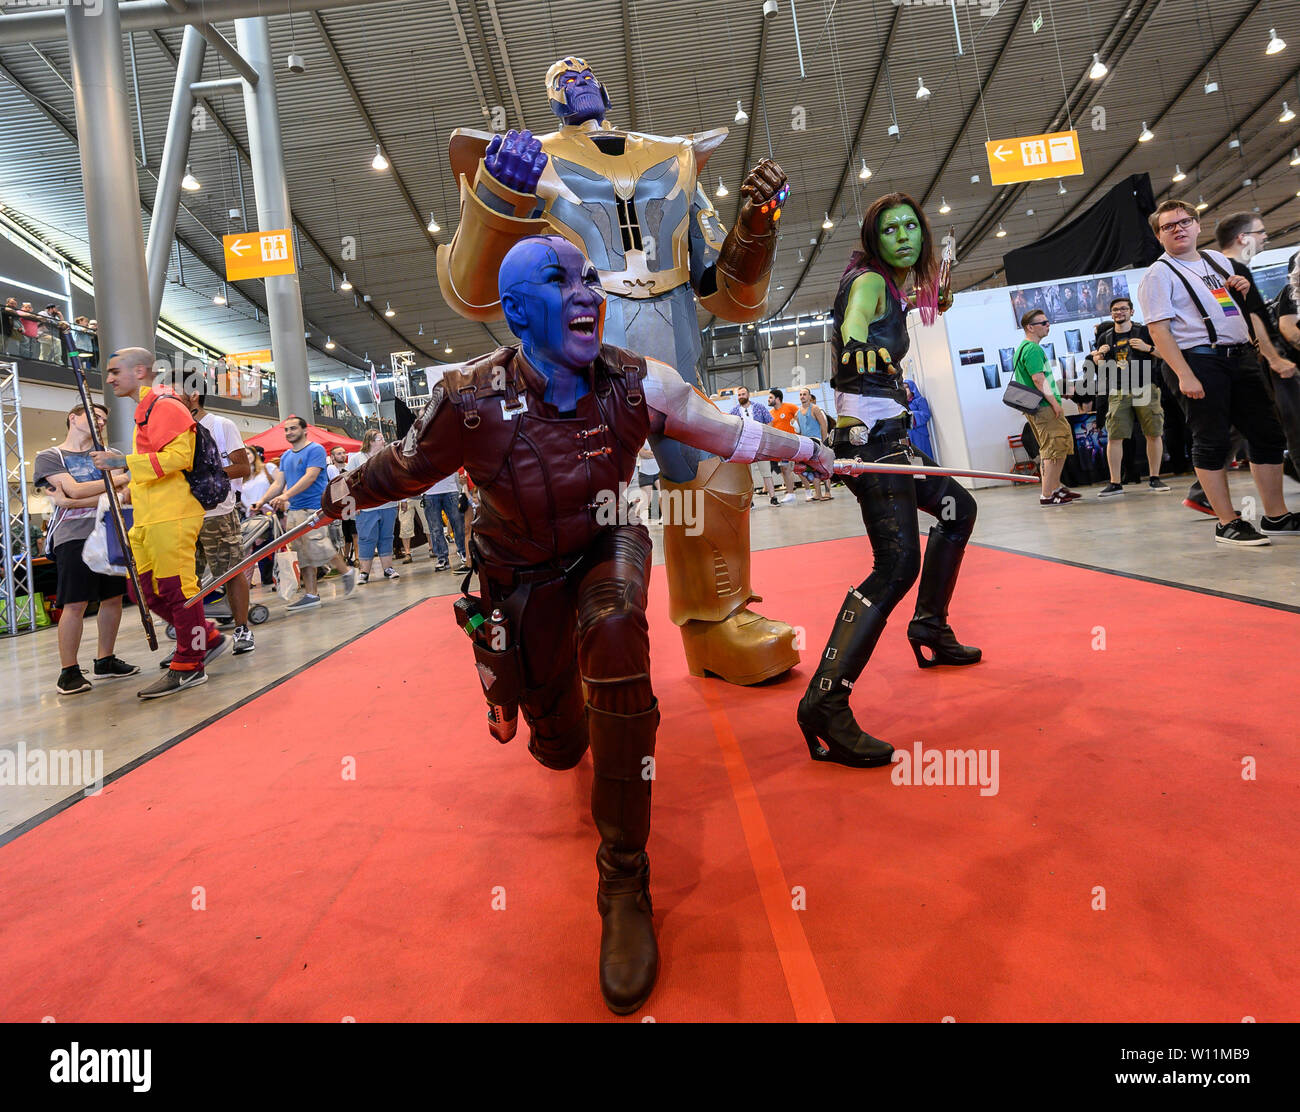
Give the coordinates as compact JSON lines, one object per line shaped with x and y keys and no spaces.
{"x":853,"y":467}
{"x":119,"y":523}
{"x":313,"y":522}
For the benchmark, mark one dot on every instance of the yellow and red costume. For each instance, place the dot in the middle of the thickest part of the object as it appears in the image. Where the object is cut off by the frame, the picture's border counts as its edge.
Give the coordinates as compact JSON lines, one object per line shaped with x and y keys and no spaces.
{"x":167,"y":520}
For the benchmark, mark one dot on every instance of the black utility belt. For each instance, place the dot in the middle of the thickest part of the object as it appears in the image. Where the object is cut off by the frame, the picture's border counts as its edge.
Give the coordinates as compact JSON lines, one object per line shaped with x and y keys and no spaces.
{"x":1227,"y":351}
{"x":888,"y":431}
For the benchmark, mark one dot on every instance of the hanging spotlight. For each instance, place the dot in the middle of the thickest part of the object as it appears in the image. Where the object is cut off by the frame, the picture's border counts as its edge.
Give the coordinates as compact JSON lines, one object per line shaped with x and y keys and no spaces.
{"x":1201,"y":204}
{"x":1099,"y":68}
{"x":1287,"y":115}
{"x":722,"y":189}
{"x":1178,"y":173}
{"x":189,"y":182}
{"x":379,"y":162}
{"x":220,"y":297}
{"x":1211,"y":86}
{"x":741,"y":116}
{"x":1234,"y":142}
{"x":447,"y":349}
{"x":345,"y":285}
{"x":944,"y":207}
{"x":434,"y":227}
{"x":421,"y":332}
{"x":1275,"y":45}
{"x":865,"y":172}
{"x":389,"y":311}
{"x":1001,"y":232}
{"x":922,"y":93}
{"x":1147,"y":134}
{"x":330,"y":345}
{"x":1295,"y":157}
{"x":828,"y":223}
{"x":1060,"y":189}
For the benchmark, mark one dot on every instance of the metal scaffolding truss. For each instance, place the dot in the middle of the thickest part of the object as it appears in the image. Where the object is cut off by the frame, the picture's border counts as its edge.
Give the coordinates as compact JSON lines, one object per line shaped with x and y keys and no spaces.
{"x":17,"y":597}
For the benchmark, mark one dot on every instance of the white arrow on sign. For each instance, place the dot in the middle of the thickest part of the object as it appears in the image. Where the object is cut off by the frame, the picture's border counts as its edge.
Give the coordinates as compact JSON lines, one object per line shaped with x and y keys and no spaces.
{"x":999,"y":152}
{"x":239,"y":247}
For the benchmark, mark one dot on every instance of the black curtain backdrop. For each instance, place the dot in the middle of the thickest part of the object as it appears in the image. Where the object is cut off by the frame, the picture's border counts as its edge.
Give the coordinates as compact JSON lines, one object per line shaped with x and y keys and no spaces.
{"x":1111,"y":235}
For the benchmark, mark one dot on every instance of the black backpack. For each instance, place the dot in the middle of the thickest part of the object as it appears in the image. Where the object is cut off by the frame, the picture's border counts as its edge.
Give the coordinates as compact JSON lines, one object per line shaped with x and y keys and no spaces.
{"x":207,"y":476}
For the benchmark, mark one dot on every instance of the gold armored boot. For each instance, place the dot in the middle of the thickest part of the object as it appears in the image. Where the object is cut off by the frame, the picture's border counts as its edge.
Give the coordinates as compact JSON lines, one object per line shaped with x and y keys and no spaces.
{"x":706,"y":550}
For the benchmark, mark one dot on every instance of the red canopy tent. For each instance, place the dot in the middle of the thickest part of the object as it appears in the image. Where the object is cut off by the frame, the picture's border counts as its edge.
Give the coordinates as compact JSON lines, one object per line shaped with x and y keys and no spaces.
{"x":274,"y":445}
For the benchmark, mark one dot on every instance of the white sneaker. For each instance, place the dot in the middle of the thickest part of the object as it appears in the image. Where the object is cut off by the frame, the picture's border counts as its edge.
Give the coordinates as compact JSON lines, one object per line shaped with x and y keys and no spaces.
{"x":389,"y":573}
{"x":788,"y":497}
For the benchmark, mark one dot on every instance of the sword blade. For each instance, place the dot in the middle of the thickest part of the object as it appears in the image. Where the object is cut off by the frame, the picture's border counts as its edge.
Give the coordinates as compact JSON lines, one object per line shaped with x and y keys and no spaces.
{"x":853,"y":467}
{"x":313,"y":522}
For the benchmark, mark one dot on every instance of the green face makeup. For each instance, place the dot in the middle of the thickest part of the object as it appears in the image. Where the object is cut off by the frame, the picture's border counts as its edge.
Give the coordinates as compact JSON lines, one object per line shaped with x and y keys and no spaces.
{"x":900,"y":236}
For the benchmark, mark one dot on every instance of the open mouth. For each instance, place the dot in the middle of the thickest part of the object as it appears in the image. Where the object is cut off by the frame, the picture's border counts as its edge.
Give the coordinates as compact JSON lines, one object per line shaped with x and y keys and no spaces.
{"x":584,"y":326}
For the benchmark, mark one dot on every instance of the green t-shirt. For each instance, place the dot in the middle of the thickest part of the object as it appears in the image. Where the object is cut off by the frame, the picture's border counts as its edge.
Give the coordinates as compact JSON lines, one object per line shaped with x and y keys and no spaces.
{"x":1030,"y":360}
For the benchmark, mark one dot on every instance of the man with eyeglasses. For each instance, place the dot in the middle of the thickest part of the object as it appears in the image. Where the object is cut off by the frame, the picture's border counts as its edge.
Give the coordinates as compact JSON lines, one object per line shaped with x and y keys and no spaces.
{"x":1195,"y":309}
{"x":1051,"y":429}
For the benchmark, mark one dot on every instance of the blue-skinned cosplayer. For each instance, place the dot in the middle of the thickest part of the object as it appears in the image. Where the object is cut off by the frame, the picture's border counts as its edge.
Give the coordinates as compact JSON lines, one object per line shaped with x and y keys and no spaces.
{"x":549,"y":432}
{"x":633,"y":204}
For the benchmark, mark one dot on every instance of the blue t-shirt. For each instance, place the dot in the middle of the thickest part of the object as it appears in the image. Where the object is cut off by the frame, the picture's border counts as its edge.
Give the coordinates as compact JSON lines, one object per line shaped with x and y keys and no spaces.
{"x":295,"y":465}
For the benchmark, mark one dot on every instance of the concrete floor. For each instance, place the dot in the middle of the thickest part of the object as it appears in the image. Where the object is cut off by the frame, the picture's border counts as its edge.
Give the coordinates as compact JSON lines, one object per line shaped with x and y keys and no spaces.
{"x":1141,"y":534}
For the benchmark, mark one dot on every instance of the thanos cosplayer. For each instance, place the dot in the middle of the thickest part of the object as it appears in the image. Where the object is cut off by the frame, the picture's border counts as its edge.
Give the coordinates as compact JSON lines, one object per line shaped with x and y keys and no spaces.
{"x":632,"y":204}
{"x":549,"y":432}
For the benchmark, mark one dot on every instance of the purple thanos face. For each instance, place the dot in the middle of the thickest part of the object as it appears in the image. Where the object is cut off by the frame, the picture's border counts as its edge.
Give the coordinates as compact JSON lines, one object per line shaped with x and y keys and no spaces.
{"x":575,"y":94}
{"x":553,"y":302}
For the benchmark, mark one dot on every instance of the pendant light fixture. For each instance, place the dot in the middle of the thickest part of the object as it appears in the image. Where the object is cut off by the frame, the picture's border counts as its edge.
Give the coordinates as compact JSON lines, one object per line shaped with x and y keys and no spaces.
{"x":379,"y":162}
{"x":1060,"y":189}
{"x":741,"y":115}
{"x":722,"y":189}
{"x":944,"y":207}
{"x":1178,"y":174}
{"x":865,"y":172}
{"x":1147,"y":134}
{"x":389,"y":311}
{"x":1001,"y":233}
{"x":1275,"y":45}
{"x":1295,"y":157}
{"x":220,"y":296}
{"x":1201,"y":203}
{"x":1099,"y":68}
{"x":922,"y":93}
{"x":345,"y":285}
{"x":828,"y":223}
{"x":433,"y":226}
{"x":330,"y":345}
{"x":1287,"y":115}
{"x":189,"y":182}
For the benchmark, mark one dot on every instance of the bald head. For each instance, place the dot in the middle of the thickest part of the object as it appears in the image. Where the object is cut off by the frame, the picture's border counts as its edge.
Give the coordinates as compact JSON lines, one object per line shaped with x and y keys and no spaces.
{"x":127,"y":369}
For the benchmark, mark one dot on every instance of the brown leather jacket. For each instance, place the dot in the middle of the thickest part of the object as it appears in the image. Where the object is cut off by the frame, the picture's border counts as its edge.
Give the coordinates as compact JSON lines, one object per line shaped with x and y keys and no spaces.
{"x":541,"y":476}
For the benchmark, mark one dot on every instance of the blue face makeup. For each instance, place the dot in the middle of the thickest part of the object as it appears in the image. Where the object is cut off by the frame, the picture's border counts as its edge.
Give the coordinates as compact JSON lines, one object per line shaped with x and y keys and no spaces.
{"x":553,"y":300}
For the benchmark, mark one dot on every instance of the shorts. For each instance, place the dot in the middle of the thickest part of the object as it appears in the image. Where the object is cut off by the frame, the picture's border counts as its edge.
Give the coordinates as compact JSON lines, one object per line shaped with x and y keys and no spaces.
{"x":1119,"y":417}
{"x":220,"y":543}
{"x":644,"y":480}
{"x":759,"y":473}
{"x":349,"y":528}
{"x":1054,"y":435}
{"x":314,"y":549}
{"x":77,"y":582}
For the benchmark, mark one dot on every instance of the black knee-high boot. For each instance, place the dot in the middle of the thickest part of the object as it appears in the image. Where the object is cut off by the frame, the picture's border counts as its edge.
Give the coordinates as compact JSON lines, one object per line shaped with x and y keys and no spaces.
{"x":620,"y":804}
{"x":824,"y":709}
{"x":932,"y":638}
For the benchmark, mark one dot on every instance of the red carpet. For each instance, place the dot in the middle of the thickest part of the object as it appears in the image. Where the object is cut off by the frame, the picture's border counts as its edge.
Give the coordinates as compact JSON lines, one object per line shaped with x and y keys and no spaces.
{"x":323,"y":896}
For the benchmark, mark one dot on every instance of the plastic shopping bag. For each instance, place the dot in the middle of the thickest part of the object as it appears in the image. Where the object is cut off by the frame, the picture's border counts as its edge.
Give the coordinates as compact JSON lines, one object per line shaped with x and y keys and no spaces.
{"x":102,"y":551}
{"x":286,"y":574}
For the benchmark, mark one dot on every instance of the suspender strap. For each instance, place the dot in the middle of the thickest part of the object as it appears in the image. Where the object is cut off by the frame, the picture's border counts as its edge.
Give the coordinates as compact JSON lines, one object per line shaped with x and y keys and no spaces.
{"x":1210,"y":330}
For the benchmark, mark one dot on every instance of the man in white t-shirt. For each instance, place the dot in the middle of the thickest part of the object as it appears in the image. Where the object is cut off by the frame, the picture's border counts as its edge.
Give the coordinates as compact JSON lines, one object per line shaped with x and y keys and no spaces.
{"x":1194,"y":306}
{"x":220,"y":545}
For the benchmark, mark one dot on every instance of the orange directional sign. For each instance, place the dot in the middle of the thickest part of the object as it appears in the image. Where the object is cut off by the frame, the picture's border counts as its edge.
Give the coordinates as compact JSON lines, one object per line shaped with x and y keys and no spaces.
{"x":259,"y":254}
{"x":1034,"y":157}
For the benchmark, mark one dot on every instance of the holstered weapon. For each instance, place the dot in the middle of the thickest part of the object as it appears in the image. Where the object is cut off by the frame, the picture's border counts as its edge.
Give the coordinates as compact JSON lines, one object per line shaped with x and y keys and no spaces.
{"x":496,"y":658}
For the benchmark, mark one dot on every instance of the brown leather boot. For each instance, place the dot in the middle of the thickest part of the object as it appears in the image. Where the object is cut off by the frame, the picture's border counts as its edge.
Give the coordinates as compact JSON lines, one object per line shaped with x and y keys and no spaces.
{"x":620,"y":804}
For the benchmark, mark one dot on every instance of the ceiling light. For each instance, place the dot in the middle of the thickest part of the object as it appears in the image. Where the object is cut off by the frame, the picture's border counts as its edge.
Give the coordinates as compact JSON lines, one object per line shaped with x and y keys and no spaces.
{"x":1211,"y":86}
{"x":1178,"y":173}
{"x":922,"y":93}
{"x":789,"y":343}
{"x":433,"y":226}
{"x":447,"y":349}
{"x":1287,"y":115}
{"x":1295,"y":157}
{"x":421,"y":331}
{"x":1147,"y":134}
{"x":330,"y":345}
{"x":379,"y":162}
{"x":1201,"y":204}
{"x":1099,"y":68}
{"x":741,"y":116}
{"x":974,"y":179}
{"x":345,"y":285}
{"x":220,"y":298}
{"x":892,"y":131}
{"x":1060,"y":189}
{"x":189,"y":182}
{"x":944,"y":207}
{"x":1001,"y":232}
{"x":722,"y":189}
{"x":1234,"y":142}
{"x":389,"y":311}
{"x":1275,"y":45}
{"x":865,"y":172}
{"x":828,"y":223}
